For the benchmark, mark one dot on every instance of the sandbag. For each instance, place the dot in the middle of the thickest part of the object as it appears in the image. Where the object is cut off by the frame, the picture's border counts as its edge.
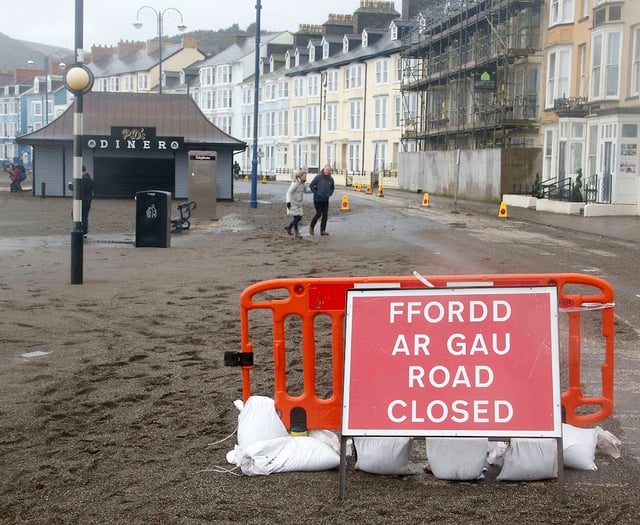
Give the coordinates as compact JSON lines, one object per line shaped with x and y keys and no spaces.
{"x":258,"y":421}
{"x":383,"y":455}
{"x":284,"y":454}
{"x":579,"y":447}
{"x":457,"y":458}
{"x":530,"y":460}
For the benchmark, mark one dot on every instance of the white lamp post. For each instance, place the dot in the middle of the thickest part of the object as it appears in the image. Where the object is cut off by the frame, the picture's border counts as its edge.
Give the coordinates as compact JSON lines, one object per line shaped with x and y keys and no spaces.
{"x":160,"y":20}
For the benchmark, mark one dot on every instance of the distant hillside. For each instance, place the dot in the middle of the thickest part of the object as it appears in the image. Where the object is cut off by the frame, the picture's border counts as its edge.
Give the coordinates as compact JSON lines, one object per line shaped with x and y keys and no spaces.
{"x":16,"y":53}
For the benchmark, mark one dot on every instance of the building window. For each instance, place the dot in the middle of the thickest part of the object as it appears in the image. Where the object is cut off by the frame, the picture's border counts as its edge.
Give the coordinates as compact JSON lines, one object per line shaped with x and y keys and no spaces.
{"x":332,"y":116}
{"x":380,"y":112}
{"x":332,"y":80}
{"x":355,"y":115}
{"x":353,"y":157}
{"x":548,"y":155}
{"x":353,"y":76}
{"x":313,"y":113}
{"x":560,"y":12}
{"x":143,"y":81}
{"x":313,"y":85}
{"x":397,"y":111}
{"x":283,"y":123}
{"x":558,"y":69}
{"x":382,"y":71}
{"x":224,"y":98}
{"x":283,"y":89}
{"x":114,"y":84}
{"x":298,"y":87}
{"x":223,"y":74}
{"x":605,"y":65}
{"x":635,"y":64}
{"x":298,"y":122}
{"x":582,"y":57}
{"x":379,"y":156}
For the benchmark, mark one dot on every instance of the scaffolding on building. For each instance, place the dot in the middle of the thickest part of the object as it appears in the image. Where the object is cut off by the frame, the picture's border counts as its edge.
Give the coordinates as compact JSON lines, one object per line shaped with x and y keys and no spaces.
{"x":471,"y":73}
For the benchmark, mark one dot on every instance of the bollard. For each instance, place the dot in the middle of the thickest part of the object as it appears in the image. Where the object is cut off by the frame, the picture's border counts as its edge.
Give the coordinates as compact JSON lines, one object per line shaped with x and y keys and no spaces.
{"x":43,"y":190}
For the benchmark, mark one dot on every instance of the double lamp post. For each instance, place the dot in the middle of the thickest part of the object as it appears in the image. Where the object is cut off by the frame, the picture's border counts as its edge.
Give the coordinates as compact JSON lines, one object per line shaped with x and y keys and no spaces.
{"x":160,"y":21}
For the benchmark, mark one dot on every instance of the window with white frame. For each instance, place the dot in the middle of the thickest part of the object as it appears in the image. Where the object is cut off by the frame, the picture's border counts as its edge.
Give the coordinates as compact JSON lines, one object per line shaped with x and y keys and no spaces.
{"x":325,"y":50}
{"x":379,"y":155}
{"x":206,"y":76}
{"x":283,"y":89}
{"x":605,"y":64}
{"x":312,"y":53}
{"x":114,"y":84}
{"x":143,"y":81}
{"x":297,"y":155}
{"x":13,"y":107}
{"x":247,"y":125}
{"x":313,"y":85}
{"x":398,"y":69}
{"x":592,"y":152}
{"x":397,"y":111}
{"x":332,"y":80}
{"x":547,"y":168}
{"x":247,"y":96}
{"x":355,"y":114}
{"x":36,"y":108}
{"x":353,"y":76}
{"x":330,"y":154}
{"x":313,"y":120}
{"x":332,"y":116}
{"x":223,"y":74}
{"x":353,"y":157}
{"x":582,"y":57}
{"x":224,"y":98}
{"x":558,"y":70}
{"x":635,"y":63}
{"x":298,"y":122}
{"x":560,"y":12}
{"x":394,"y":31}
{"x":127,"y":83}
{"x":283,"y":123}
{"x":224,"y":123}
{"x":345,"y":44}
{"x":382,"y":71}
{"x":298,"y":87}
{"x":207,"y":100}
{"x":586,"y":8}
{"x":380,"y":109}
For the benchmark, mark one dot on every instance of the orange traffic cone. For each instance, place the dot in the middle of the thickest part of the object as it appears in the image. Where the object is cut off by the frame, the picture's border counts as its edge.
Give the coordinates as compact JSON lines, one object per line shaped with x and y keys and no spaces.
{"x":368,"y":189}
{"x":380,"y":191}
{"x":246,"y":177}
{"x":345,"y":204}
{"x":425,"y":200}
{"x":503,"y":210}
{"x":264,"y":179}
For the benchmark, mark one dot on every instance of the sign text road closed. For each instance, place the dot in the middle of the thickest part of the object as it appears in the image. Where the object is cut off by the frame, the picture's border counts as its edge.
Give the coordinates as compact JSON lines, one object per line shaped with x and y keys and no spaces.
{"x":452,"y":362}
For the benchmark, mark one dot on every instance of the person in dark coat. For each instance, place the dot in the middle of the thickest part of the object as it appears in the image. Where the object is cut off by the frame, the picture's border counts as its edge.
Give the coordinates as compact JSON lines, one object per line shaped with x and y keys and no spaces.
{"x":322,"y":187}
{"x":86,"y":194}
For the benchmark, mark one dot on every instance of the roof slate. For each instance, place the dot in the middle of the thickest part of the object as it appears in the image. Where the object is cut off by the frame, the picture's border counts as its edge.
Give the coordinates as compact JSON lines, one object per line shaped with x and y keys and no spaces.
{"x":170,"y":115}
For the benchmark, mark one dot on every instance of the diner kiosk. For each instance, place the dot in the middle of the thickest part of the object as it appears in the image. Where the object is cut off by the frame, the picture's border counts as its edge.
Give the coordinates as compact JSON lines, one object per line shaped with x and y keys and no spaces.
{"x":135,"y":142}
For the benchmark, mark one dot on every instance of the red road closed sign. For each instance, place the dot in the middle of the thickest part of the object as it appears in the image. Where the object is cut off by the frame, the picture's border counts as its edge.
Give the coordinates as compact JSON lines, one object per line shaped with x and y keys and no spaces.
{"x":452,"y":362}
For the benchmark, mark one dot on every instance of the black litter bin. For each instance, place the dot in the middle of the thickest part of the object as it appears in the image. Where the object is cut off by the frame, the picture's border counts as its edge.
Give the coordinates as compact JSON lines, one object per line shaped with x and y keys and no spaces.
{"x":153,"y":219}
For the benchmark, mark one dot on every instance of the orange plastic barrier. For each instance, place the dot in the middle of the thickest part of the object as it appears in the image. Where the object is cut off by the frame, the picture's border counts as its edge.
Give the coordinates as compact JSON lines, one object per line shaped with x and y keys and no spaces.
{"x":309,"y":298}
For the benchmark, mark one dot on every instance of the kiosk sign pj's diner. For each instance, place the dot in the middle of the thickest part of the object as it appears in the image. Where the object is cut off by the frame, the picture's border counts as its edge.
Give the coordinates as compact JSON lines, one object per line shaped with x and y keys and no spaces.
{"x":452,"y":361}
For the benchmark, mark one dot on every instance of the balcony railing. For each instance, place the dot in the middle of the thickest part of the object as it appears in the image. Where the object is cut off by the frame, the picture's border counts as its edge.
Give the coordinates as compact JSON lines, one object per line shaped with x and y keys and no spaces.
{"x":574,"y":106}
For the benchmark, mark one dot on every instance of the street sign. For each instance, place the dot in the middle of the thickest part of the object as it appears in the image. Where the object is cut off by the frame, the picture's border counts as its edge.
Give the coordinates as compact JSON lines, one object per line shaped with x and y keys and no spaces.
{"x":452,"y":362}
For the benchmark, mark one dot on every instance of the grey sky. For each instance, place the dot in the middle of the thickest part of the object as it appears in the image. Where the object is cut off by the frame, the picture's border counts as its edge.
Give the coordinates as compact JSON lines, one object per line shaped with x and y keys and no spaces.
{"x":108,"y":21}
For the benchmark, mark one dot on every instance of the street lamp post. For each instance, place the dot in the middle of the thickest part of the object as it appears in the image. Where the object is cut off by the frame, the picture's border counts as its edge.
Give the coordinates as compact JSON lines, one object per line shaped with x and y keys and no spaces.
{"x":47,"y":60}
{"x":79,"y":80}
{"x":160,"y":20}
{"x":253,"y":202}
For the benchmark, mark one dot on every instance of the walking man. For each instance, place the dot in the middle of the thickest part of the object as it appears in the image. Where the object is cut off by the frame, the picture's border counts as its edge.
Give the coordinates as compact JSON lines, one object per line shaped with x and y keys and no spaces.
{"x":322,"y":187}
